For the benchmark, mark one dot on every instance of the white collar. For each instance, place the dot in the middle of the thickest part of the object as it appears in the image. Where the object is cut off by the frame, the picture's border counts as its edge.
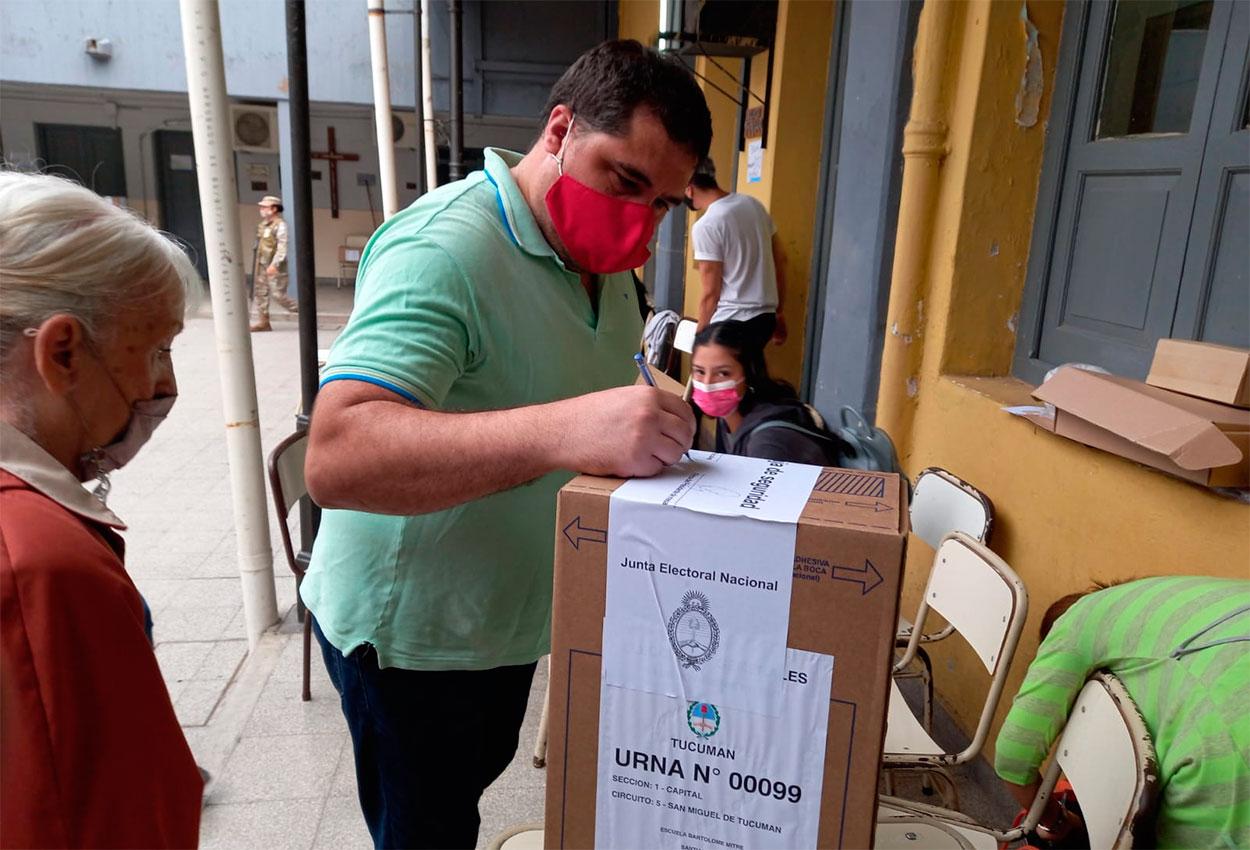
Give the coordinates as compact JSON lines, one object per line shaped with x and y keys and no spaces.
{"x":24,"y":458}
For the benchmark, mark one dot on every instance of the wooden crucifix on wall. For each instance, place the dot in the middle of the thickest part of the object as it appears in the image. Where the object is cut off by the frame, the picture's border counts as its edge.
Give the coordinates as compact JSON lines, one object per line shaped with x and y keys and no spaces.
{"x":333,"y":156}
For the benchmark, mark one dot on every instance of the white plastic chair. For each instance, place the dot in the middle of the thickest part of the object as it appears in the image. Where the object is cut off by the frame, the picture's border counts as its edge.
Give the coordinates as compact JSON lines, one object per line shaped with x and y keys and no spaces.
{"x":1105,"y":752}
{"x":522,"y":836}
{"x":683,"y":337}
{"x":985,"y":603}
{"x":941,"y":503}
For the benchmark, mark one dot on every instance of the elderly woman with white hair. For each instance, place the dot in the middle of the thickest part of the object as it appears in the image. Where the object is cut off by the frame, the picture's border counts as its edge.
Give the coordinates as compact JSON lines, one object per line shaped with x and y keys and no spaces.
{"x":91,"y":297}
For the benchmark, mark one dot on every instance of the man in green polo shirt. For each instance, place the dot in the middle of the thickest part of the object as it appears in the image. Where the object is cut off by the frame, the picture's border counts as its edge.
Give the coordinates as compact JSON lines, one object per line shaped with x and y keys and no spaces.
{"x":1181,"y":646}
{"x":488,"y":359}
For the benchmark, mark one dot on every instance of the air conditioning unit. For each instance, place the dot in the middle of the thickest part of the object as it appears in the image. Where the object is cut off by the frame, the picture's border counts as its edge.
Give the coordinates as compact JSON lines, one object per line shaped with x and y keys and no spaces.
{"x":404,"y":129}
{"x":254,"y":128}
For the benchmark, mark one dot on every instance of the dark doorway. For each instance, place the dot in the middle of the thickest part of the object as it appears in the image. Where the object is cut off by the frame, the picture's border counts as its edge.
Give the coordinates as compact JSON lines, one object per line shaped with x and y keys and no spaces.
{"x":91,"y":156}
{"x":178,"y":193}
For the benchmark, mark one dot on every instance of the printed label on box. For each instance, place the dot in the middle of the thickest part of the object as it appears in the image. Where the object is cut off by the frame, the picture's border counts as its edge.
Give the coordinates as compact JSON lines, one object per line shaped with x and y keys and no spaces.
{"x":698,"y":596}
{"x":695,"y":775}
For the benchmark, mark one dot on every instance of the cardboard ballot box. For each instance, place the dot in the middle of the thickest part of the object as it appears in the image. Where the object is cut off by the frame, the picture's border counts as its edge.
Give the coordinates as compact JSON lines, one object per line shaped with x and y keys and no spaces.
{"x":849,"y":547}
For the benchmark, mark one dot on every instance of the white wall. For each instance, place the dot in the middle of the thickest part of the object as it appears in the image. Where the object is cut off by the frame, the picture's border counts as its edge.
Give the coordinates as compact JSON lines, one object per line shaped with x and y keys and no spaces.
{"x":139,"y":114}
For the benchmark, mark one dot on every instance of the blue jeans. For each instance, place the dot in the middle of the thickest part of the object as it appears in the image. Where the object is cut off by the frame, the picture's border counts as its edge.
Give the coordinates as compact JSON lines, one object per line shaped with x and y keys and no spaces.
{"x":427,"y":742}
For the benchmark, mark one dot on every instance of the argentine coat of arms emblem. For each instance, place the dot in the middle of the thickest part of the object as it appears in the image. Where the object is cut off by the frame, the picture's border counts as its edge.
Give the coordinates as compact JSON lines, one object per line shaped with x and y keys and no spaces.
{"x":692,"y":631}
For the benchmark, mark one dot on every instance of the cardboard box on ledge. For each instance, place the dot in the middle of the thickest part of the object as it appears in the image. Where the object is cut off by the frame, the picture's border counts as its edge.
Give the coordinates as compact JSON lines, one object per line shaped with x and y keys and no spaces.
{"x":1191,"y":438}
{"x":849,"y":548}
{"x":1218,"y":373}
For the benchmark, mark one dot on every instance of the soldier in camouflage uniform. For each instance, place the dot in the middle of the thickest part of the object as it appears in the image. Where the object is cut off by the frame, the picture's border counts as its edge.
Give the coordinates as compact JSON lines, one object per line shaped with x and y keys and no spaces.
{"x":269,"y":271}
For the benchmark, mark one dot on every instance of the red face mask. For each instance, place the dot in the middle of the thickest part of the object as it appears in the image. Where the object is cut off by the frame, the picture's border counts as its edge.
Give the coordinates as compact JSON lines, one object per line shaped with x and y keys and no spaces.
{"x":602,"y":234}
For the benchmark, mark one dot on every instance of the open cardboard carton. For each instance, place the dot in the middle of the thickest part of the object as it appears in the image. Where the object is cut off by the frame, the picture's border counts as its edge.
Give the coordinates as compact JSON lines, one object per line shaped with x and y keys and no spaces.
{"x":1191,"y":438}
{"x":849,"y":548}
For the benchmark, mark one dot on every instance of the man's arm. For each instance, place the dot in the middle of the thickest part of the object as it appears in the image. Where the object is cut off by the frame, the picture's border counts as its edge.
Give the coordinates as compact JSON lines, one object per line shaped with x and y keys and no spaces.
{"x":779,"y":266}
{"x":369,"y":450}
{"x":712,"y":277}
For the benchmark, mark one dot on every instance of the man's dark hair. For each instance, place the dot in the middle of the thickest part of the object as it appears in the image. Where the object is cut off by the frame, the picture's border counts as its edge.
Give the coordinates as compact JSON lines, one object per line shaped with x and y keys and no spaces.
{"x":705,"y":175}
{"x":704,"y":181}
{"x":607,"y":83}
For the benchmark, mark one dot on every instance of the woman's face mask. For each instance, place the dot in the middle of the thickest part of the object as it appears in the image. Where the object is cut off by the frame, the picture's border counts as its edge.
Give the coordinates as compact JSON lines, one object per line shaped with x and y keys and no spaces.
{"x":602,"y":234}
{"x":718,"y":399}
{"x":145,"y":416}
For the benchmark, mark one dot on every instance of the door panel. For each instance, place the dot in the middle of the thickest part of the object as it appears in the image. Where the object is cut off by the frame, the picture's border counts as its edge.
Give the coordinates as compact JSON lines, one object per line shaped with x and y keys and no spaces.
{"x":1130,"y":181}
{"x":91,"y":156}
{"x":179,"y":192}
{"x":1214,"y":302}
{"x":1226,"y":317}
{"x":1124,"y":209}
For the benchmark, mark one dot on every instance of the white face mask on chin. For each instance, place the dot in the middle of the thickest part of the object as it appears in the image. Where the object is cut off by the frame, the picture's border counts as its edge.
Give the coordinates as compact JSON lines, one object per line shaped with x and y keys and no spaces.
{"x":145,"y":417}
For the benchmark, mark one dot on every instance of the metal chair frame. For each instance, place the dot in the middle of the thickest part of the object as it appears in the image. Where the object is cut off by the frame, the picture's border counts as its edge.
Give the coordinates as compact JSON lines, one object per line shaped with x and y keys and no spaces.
{"x":924,"y":668}
{"x":1002,"y":657}
{"x":285,"y":498}
{"x":1134,"y":826}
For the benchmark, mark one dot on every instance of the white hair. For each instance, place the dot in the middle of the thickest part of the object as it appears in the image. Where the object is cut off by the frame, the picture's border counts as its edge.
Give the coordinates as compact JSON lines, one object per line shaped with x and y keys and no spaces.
{"x":65,"y":249}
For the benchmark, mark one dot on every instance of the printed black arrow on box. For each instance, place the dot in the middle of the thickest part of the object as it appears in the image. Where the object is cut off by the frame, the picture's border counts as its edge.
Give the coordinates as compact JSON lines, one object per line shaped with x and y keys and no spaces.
{"x":875,"y":507}
{"x":867,"y":578}
{"x":576,"y":533}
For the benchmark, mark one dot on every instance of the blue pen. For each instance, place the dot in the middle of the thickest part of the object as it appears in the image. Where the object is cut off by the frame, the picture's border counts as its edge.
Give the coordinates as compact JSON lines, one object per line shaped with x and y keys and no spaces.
{"x":645,"y":370}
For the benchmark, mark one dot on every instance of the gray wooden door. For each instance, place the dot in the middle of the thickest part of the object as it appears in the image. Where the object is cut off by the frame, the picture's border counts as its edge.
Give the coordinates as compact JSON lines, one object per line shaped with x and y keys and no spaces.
{"x":91,"y":156}
{"x":1214,"y":303}
{"x":1147,"y":83}
{"x":179,"y":192}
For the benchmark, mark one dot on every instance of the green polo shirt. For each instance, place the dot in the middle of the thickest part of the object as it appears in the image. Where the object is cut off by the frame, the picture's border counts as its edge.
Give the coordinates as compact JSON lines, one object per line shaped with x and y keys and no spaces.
{"x":461,"y":305}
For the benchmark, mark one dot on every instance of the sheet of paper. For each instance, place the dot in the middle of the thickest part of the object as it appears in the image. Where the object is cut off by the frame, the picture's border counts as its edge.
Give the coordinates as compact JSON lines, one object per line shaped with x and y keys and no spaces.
{"x":694,"y":775}
{"x":727,"y":485}
{"x":755,"y":160}
{"x":698,"y":595}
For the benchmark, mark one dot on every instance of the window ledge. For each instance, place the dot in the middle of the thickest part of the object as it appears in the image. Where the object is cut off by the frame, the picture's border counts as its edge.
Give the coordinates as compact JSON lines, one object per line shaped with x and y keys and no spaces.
{"x":1004,"y":391}
{"x":1008,"y":391}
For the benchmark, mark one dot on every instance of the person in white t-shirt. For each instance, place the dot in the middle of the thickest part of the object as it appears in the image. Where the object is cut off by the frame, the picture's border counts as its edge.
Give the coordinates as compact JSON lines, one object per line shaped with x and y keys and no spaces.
{"x":739,"y":259}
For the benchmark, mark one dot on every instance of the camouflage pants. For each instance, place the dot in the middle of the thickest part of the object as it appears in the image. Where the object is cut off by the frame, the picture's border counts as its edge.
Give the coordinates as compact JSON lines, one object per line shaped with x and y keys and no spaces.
{"x":272,"y":286}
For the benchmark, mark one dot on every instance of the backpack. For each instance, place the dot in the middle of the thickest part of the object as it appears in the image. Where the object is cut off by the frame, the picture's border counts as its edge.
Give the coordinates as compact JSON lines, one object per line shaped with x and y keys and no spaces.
{"x":854,"y":445}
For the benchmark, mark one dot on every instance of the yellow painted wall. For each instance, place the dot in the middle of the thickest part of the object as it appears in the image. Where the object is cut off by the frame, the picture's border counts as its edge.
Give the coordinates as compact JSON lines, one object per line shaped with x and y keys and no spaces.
{"x":724,"y":134}
{"x":1065,"y":514}
{"x":788,"y":185}
{"x":639,"y":20}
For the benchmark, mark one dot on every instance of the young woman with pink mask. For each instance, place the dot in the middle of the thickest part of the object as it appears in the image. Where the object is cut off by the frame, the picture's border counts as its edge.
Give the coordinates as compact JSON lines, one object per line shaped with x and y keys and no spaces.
{"x":757,"y":415}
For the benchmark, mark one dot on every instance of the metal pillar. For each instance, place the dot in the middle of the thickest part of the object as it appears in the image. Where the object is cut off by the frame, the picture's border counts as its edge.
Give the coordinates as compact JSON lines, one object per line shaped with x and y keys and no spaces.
{"x":456,"y":161}
{"x":418,"y":94}
{"x":382,"y":109}
{"x":670,"y":261}
{"x":210,"y":127}
{"x":427,"y":102}
{"x":300,"y":198}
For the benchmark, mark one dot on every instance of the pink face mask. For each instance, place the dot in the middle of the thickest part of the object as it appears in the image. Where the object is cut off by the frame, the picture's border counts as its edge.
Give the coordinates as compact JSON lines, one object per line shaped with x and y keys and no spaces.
{"x":718,"y":399}
{"x":602,"y":234}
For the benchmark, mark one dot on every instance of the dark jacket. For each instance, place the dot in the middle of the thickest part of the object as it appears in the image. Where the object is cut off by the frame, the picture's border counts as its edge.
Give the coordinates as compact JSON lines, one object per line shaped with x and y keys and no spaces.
{"x":777,"y":443}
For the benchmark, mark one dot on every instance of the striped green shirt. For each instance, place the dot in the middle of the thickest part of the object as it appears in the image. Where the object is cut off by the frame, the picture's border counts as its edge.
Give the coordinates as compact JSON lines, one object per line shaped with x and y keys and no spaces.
{"x":1197,"y":706}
